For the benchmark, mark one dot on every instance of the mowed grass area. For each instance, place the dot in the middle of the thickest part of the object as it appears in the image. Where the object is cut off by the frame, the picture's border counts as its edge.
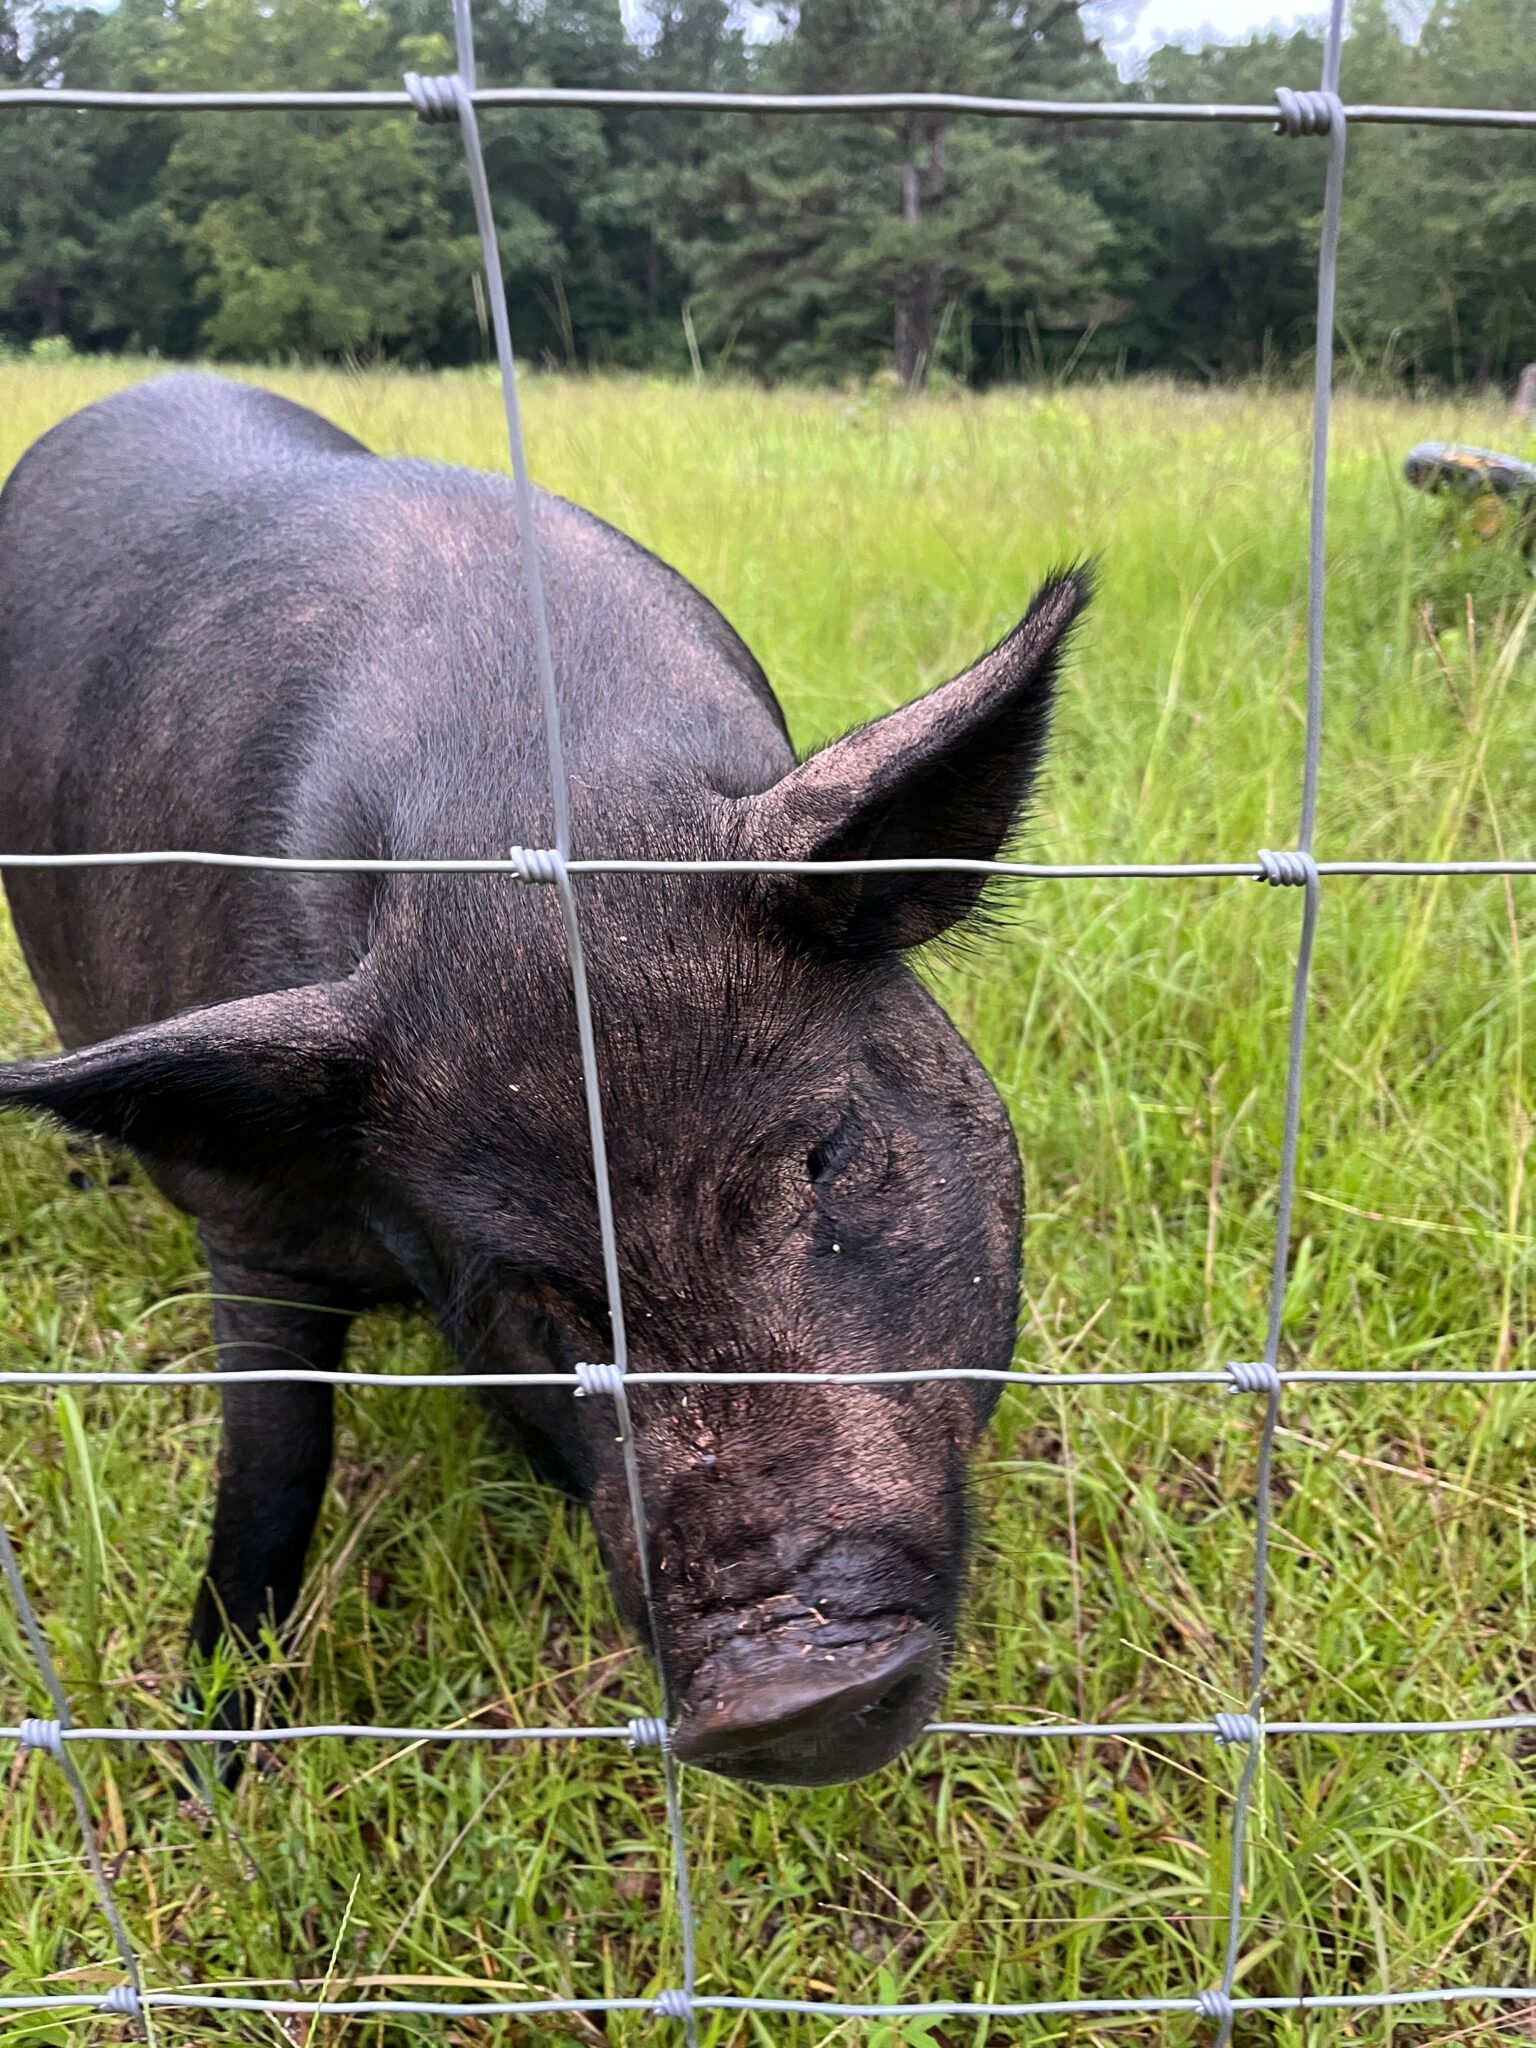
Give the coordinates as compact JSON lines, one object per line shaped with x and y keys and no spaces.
{"x":867,"y":549}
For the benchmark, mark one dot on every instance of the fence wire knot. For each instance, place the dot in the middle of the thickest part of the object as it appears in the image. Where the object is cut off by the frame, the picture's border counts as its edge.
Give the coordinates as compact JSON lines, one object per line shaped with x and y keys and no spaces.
{"x":47,"y":1735}
{"x":1237,"y":1729}
{"x":1214,"y":2005}
{"x":433,"y":98}
{"x":1286,"y":870}
{"x":1252,"y":1376}
{"x":536,"y":863}
{"x":1306,"y":113}
{"x":599,"y":1379}
{"x":648,"y":1732}
{"x":673,"y":2005}
{"x":122,"y":2002}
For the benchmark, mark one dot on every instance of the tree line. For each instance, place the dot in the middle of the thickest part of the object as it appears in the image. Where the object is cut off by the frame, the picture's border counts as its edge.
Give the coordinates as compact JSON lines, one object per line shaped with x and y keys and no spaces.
{"x":820,"y":248}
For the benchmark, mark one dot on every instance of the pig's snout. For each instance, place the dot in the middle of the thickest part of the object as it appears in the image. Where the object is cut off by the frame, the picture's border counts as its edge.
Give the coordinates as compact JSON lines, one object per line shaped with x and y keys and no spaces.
{"x":811,"y":1705}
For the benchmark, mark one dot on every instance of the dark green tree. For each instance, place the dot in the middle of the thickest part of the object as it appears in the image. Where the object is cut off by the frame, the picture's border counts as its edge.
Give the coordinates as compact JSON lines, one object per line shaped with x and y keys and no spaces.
{"x":84,"y":248}
{"x":49,"y":196}
{"x":822,"y":243}
{"x":688,"y":46}
{"x":141,"y":294}
{"x":1439,"y":270}
{"x":1215,"y":227}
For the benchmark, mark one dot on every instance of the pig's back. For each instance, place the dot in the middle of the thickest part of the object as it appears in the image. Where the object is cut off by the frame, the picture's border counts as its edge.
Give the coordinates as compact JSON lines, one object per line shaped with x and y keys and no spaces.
{"x":224,"y":624}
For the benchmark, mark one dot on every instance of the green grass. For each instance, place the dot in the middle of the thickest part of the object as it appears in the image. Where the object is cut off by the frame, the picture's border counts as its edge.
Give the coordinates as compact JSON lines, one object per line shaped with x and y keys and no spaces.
{"x":866,"y":549}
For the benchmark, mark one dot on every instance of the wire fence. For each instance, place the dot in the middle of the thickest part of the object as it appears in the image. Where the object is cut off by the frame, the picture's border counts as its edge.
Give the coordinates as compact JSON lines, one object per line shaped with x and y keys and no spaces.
{"x":1295,"y":114}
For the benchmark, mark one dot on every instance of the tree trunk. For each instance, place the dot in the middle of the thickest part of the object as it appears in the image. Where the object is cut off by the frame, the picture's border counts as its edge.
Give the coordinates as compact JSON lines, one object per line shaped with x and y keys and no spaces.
{"x":48,"y":297}
{"x":917,"y":321}
{"x":920,"y":289}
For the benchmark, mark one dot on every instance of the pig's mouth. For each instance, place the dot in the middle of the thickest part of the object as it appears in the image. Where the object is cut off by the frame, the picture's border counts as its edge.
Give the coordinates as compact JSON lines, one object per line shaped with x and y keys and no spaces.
{"x":811,"y":1704}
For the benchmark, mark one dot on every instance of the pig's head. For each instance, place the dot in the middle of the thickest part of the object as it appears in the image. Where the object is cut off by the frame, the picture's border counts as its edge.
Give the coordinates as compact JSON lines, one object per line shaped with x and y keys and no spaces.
{"x":811,"y":1175}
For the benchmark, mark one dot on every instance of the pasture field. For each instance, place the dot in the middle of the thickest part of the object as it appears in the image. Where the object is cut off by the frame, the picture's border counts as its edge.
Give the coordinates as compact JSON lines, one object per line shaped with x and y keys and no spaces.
{"x":868,"y":548}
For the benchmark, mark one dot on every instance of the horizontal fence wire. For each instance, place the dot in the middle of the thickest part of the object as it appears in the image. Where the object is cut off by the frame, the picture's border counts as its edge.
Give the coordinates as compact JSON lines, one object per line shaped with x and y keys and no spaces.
{"x":301,"y":1375}
{"x":459,"y":99}
{"x":1204,"y":2005}
{"x":1227,"y":1729}
{"x":522,"y":862}
{"x":640,"y":101}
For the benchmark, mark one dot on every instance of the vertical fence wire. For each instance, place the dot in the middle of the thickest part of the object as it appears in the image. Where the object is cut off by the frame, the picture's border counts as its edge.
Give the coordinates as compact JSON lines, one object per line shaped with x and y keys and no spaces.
{"x":678,"y":2005}
{"x":48,"y":1735}
{"x":1327,"y":116}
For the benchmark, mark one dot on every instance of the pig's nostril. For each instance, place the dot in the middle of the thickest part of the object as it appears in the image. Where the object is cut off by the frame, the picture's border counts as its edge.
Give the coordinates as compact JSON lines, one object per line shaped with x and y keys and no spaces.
{"x":783,"y":1710}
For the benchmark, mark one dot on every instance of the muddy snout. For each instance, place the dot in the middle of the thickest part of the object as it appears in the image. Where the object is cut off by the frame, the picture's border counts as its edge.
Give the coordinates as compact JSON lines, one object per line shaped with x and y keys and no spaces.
{"x":811,"y":1702}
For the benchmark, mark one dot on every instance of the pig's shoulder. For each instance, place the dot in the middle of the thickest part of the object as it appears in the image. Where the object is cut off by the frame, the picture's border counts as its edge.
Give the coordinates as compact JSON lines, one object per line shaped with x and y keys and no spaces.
{"x":415,"y":522}
{"x":630,"y":575}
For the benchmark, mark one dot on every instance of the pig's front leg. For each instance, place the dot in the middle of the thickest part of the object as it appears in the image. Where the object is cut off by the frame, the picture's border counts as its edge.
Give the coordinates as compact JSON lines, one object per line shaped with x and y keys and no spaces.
{"x":273,"y":1461}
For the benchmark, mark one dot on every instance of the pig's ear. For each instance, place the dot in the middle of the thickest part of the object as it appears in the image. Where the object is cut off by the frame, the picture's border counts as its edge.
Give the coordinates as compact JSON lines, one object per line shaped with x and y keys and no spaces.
{"x":947,"y":775}
{"x":236,"y":1087}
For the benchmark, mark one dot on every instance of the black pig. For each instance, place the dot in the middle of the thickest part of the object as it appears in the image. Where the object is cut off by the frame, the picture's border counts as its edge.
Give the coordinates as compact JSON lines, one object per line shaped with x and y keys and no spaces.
{"x":224,"y":624}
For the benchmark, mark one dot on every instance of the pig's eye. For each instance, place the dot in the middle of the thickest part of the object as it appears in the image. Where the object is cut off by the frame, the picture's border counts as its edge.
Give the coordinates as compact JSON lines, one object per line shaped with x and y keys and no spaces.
{"x":824,"y":1159}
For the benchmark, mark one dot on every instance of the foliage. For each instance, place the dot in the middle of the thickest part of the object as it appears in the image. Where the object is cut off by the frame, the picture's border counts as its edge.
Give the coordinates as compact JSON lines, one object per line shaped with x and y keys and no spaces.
{"x":972,"y":249}
{"x":1216,"y":228}
{"x":847,"y":239}
{"x":866,"y":549}
{"x":311,"y":236}
{"x":1440,"y":273}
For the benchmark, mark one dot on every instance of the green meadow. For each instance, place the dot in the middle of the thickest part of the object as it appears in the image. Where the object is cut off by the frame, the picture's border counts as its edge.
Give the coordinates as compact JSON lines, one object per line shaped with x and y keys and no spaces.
{"x":867,"y":547}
